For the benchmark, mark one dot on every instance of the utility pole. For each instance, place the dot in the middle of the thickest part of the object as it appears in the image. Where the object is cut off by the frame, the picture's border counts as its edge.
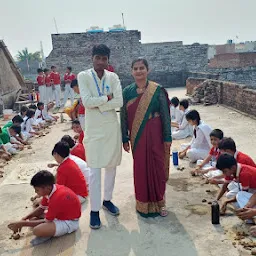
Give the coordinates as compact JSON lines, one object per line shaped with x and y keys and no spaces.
{"x":42,"y":54}
{"x":56,"y":27}
{"x":123,"y":19}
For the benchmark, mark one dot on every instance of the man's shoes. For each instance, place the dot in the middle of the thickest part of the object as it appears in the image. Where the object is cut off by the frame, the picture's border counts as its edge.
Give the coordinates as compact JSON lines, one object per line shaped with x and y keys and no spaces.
{"x":95,"y":222}
{"x":111,"y":208}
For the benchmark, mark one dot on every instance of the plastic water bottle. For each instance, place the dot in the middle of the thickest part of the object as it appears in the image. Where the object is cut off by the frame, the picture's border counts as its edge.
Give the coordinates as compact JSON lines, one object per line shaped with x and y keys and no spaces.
{"x":215,"y":213}
{"x":175,"y":157}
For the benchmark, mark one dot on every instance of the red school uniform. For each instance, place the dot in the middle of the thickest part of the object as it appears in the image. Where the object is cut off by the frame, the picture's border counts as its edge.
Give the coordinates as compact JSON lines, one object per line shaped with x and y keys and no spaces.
{"x":246,"y":175}
{"x":48,"y":80}
{"x":242,"y":158}
{"x":70,"y":77}
{"x":55,"y":78}
{"x":69,"y":175}
{"x":81,"y":137}
{"x":40,"y":80}
{"x":79,"y":151}
{"x":215,"y":153}
{"x":62,"y":204}
{"x":81,"y":108}
{"x":110,"y":68}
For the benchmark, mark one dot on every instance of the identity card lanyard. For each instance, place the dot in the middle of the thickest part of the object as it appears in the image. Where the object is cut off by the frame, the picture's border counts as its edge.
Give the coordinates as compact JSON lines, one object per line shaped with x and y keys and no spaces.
{"x":97,"y":85}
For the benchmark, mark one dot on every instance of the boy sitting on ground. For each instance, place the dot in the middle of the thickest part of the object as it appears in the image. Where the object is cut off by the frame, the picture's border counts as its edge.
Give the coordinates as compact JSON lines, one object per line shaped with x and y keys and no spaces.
{"x":182,"y":129}
{"x":23,"y":111}
{"x":76,"y":126}
{"x":49,"y":118}
{"x":39,"y":117}
{"x":68,"y":172}
{"x":207,"y":167}
{"x":62,"y":217}
{"x":76,"y":149}
{"x":243,"y":175}
{"x":176,"y":114}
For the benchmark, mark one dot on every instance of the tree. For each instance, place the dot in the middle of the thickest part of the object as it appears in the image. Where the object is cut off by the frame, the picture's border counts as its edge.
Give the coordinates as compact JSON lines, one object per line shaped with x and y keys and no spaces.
{"x":24,"y":55}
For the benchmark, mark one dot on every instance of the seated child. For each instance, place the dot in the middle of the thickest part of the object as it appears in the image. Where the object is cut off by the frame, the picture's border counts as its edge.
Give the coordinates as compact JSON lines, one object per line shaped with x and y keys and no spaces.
{"x":39,"y":117}
{"x":76,"y":149}
{"x":81,"y":108}
{"x":240,"y":173}
{"x":23,"y":111}
{"x":68,"y":173}
{"x":72,"y":111}
{"x":32,"y":107}
{"x":182,"y":129}
{"x":80,"y":163}
{"x":63,"y":210}
{"x":207,"y":167}
{"x":17,"y":120}
{"x":228,"y":145}
{"x":176,"y":115}
{"x":78,"y":129}
{"x":29,"y":125}
{"x":200,"y":144}
{"x":47,"y":117}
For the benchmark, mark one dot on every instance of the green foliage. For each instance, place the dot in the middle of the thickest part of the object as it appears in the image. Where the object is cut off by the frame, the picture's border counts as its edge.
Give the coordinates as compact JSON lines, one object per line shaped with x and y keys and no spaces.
{"x":24,"y":55}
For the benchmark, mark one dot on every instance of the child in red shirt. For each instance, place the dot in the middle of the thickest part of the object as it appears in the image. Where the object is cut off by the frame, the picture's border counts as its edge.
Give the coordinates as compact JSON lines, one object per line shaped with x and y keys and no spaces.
{"x":76,"y":149}
{"x":209,"y":163}
{"x":63,"y":210}
{"x":243,"y":175}
{"x":41,"y":85}
{"x":48,"y":84}
{"x":68,"y":173}
{"x":55,"y":81}
{"x":76,"y":126}
{"x":68,"y":78}
{"x":81,"y":108}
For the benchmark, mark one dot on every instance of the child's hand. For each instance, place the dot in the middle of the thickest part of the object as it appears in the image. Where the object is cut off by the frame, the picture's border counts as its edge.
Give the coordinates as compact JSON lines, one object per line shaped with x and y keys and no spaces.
{"x":76,"y":136}
{"x":15,"y":226}
{"x":213,"y":181}
{"x":51,"y":165}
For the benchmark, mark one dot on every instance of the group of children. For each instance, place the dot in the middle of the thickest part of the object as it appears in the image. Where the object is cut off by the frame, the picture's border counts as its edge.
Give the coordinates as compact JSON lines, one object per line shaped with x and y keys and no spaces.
{"x":49,"y":86}
{"x":218,"y":161}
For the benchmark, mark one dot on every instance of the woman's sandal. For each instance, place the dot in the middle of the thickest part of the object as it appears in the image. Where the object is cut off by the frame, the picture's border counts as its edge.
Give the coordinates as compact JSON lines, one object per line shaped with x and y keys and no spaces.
{"x":163,"y":212}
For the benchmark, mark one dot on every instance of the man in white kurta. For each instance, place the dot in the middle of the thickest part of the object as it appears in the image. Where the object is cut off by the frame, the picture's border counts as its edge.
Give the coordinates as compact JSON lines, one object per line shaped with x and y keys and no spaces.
{"x":102,"y":137}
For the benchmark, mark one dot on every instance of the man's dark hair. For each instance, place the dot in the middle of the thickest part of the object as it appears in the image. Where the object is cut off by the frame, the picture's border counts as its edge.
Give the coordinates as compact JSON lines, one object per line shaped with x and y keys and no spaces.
{"x":16,"y":128}
{"x":74,"y":83}
{"x":42,"y":178}
{"x":227,"y":144}
{"x":175,"y":101}
{"x":184,"y":103}
{"x":69,"y":68}
{"x":225,"y":161}
{"x":52,"y":67}
{"x":101,"y":50}
{"x":46,"y":70}
{"x":39,"y":70}
{"x":23,"y":109}
{"x":193,"y":115}
{"x":69,"y":140}
{"x":18,"y":119}
{"x":32,"y":106}
{"x":40,"y":104}
{"x":30,"y":113}
{"x":140,"y":59}
{"x":76,"y":122}
{"x":61,"y":148}
{"x":217,"y":133}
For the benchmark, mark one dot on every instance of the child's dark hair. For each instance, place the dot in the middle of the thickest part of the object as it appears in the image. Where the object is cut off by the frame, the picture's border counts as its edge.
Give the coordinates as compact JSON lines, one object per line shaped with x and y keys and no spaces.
{"x":69,"y":140}
{"x":76,"y":122}
{"x":227,"y":144}
{"x":16,"y":129}
{"x":101,"y":50}
{"x":42,"y":178}
{"x":40,"y":104}
{"x":225,"y":161}
{"x":175,"y":101}
{"x":18,"y":119}
{"x":23,"y":109}
{"x":217,"y":133}
{"x":61,"y":148}
{"x":46,"y":70}
{"x":74,"y":83}
{"x":184,"y":103}
{"x":69,"y":68}
{"x":30,"y":114}
{"x":193,"y":115}
{"x":52,"y":67}
{"x":39,"y":70}
{"x":32,"y":106}
{"x":140,"y":59}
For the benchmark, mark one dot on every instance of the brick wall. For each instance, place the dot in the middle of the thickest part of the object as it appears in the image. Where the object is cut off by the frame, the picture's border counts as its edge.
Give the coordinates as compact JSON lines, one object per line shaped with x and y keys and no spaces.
{"x":193,"y":83}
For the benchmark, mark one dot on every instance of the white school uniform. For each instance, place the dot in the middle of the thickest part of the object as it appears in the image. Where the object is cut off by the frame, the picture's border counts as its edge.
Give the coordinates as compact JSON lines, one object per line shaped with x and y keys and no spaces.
{"x":46,"y":115}
{"x":57,"y":94}
{"x":185,"y":129}
{"x":176,"y":114}
{"x":29,"y":125}
{"x":199,"y":145}
{"x":39,"y":119}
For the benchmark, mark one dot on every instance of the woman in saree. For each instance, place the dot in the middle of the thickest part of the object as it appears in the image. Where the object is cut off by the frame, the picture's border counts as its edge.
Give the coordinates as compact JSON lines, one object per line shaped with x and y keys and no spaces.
{"x":146,"y":130}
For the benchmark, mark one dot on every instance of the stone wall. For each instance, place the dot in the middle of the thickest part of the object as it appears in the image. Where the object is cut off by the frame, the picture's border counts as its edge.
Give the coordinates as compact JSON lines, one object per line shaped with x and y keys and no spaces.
{"x":168,"y":61}
{"x":193,"y":83}
{"x":234,"y":95}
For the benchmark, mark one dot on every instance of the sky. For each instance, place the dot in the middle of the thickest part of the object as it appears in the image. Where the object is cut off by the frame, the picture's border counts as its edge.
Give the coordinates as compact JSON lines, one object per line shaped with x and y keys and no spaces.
{"x":24,"y":23}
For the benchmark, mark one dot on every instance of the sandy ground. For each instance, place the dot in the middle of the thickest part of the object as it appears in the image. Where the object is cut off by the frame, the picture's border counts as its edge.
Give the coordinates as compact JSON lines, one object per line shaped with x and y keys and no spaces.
{"x":186,"y":231}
